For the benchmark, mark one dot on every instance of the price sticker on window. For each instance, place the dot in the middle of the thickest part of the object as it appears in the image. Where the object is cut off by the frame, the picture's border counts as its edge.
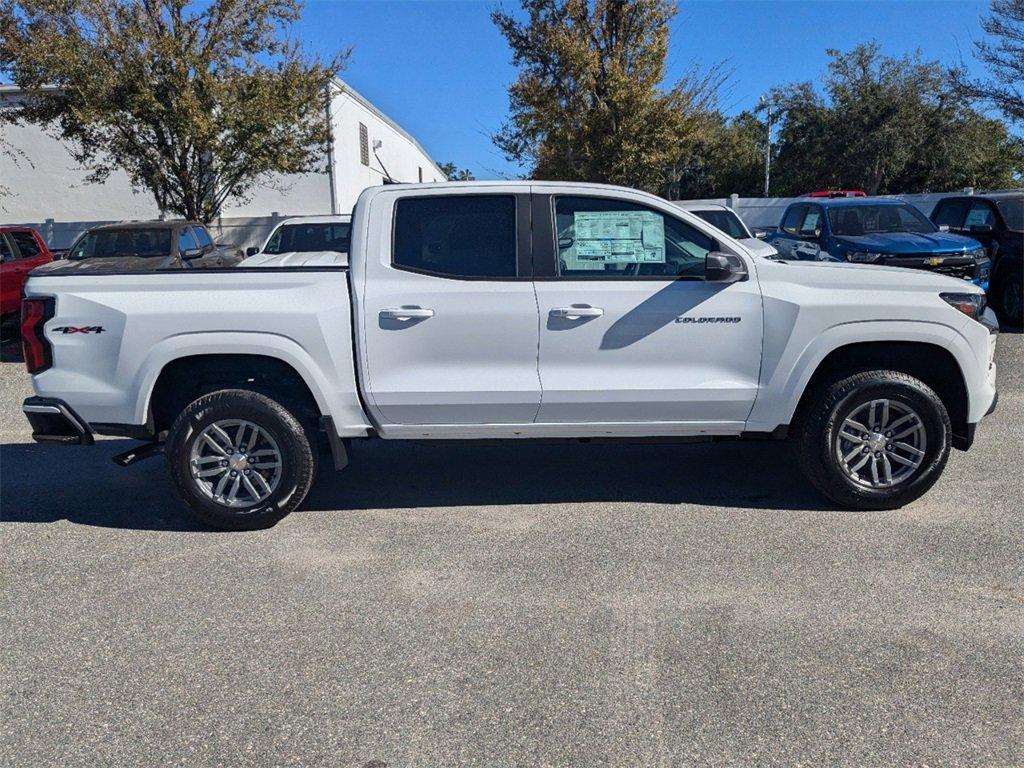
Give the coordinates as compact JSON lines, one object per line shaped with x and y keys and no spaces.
{"x":616,"y":237}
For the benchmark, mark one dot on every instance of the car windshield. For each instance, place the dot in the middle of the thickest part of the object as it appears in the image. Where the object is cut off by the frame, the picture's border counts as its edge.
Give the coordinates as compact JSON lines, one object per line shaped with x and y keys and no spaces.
{"x":110,"y":243}
{"x":727,"y":221}
{"x":329,"y":236}
{"x":1013,"y":212}
{"x":854,"y":220}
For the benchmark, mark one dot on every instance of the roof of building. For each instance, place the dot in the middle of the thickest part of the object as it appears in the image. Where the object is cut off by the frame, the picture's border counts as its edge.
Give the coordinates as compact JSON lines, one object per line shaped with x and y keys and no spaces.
{"x":346,"y":88}
{"x":340,"y":84}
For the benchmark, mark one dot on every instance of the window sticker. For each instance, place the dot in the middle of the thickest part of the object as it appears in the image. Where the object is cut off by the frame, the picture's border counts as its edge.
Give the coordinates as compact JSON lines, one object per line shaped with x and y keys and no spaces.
{"x":617,"y":237}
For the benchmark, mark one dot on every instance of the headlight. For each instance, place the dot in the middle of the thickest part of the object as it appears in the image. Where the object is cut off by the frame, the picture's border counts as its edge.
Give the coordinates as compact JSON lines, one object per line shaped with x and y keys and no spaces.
{"x":863,"y":256}
{"x":971,"y":304}
{"x":978,"y":254}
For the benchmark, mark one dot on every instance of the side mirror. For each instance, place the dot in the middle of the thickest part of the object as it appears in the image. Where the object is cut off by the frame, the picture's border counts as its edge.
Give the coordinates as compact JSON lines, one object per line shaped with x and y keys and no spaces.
{"x":192,"y":253}
{"x":981,"y":229}
{"x":252,"y":250}
{"x":724,"y":268}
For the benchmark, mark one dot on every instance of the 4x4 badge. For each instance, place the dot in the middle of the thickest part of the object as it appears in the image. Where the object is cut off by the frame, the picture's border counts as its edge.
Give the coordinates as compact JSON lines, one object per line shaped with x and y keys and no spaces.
{"x":66,"y":329}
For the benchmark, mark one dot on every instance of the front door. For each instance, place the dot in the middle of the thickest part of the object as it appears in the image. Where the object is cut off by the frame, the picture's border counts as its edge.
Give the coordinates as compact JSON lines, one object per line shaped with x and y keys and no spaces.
{"x":631,"y":333}
{"x":449,"y":312}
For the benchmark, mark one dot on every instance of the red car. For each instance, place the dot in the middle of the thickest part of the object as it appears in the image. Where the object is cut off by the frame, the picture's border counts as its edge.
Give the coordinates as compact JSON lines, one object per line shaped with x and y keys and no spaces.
{"x":21,"y":251}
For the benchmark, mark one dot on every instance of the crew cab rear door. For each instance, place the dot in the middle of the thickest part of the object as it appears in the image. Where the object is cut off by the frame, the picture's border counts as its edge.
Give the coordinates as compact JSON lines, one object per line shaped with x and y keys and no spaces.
{"x":447,"y":308}
{"x":631,"y":332}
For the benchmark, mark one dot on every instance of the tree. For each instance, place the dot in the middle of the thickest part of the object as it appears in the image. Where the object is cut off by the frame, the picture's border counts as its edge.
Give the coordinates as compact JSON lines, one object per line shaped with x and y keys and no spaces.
{"x":197,"y":103}
{"x":1004,"y":59}
{"x":454,"y":173}
{"x":588,"y":103}
{"x":887,"y":125}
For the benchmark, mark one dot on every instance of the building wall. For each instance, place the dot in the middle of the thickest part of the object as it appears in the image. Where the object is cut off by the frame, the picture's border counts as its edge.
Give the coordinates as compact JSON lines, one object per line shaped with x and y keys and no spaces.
{"x":47,"y":189}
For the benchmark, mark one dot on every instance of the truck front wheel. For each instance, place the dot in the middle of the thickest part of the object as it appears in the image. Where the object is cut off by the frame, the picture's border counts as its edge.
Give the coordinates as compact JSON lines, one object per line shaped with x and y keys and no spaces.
{"x":240,"y":460}
{"x":875,"y":440}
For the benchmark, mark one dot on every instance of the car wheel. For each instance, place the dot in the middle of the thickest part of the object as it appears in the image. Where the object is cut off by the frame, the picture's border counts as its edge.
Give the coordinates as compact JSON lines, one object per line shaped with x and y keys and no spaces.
{"x":1011,"y":302}
{"x":239,"y":460}
{"x":875,"y":440}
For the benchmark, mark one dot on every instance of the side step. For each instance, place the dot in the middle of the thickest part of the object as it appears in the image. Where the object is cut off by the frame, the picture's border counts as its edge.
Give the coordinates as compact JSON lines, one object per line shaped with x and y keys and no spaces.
{"x":137,"y":454}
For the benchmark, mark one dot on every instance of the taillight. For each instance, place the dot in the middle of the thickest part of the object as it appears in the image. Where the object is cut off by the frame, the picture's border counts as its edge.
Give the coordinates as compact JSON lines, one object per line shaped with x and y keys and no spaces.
{"x":34,"y":345}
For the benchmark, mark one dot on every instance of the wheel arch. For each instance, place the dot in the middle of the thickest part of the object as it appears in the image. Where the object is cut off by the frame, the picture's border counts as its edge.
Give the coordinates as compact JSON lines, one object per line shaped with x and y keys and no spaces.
{"x":182,"y":379}
{"x":931,"y":363}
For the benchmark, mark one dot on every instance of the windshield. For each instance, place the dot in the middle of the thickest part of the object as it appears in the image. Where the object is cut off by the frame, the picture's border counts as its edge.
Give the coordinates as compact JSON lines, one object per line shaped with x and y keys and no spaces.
{"x":108,"y":243}
{"x":330,"y":236}
{"x":727,"y":221}
{"x":854,"y":220}
{"x":1013,"y":212}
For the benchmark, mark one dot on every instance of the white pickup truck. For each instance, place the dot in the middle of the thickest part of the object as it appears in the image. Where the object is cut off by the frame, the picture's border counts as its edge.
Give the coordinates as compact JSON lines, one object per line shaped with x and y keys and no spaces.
{"x":512,"y":311}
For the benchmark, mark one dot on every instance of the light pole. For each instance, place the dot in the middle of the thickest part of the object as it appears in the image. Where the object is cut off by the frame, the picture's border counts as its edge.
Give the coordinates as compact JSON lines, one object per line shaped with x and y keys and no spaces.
{"x":766,"y":105}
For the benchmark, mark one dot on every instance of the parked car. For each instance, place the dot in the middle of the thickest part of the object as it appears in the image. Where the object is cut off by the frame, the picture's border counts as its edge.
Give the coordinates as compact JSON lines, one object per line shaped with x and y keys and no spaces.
{"x":146,"y":246}
{"x":729,"y":222}
{"x":997,"y":221}
{"x":21,"y":251}
{"x":305,"y":241}
{"x":512,"y":310}
{"x":837,"y":193}
{"x":884,"y":231}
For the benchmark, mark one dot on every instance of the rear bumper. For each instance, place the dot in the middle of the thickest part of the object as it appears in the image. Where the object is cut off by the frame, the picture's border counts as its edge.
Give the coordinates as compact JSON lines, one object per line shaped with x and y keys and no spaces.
{"x":54,"y":421}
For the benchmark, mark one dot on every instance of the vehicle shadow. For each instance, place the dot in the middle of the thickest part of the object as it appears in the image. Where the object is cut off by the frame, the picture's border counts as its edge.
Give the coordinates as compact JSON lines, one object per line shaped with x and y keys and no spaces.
{"x":10,"y":349}
{"x":45,"y":484}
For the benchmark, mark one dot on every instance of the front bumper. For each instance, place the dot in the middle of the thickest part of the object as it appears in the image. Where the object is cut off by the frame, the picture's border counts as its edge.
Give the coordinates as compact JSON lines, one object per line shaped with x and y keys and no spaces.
{"x":54,"y":421}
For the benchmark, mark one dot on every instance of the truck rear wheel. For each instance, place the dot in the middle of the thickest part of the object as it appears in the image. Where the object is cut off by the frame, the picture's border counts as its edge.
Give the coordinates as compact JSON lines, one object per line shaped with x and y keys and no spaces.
{"x":239,"y":459}
{"x":875,"y":440}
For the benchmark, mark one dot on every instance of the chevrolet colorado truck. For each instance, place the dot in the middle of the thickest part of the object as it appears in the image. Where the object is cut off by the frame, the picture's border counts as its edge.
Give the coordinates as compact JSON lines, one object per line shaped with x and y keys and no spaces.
{"x":515,"y":311}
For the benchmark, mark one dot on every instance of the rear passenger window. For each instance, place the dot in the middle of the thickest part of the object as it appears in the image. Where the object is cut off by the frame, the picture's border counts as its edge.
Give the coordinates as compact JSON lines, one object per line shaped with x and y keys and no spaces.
{"x":26,"y":244}
{"x":456,"y":235}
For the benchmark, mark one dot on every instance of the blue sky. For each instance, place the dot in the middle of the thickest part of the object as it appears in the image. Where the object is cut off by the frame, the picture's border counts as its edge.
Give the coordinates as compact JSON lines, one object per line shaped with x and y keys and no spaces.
{"x":441,"y":70}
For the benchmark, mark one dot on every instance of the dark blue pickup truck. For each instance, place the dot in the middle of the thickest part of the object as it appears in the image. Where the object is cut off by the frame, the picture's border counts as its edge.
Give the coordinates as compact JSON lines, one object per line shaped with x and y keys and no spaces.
{"x":877,"y":231}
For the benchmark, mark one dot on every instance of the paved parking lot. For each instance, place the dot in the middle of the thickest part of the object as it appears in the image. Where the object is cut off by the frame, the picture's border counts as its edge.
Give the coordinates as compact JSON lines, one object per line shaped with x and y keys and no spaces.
{"x":591,"y":605}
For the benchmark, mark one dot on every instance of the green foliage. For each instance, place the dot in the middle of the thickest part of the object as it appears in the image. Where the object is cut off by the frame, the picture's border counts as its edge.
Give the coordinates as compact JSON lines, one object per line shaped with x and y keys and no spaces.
{"x":588,"y":103}
{"x":197,"y":103}
{"x":1003,"y":56}
{"x":887,"y":125}
{"x":454,"y":173}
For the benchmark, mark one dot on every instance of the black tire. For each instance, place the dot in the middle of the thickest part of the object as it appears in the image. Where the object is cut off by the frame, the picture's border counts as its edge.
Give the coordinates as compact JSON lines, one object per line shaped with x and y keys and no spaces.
{"x":1009,"y":298}
{"x":298,"y":461}
{"x":817,"y":432}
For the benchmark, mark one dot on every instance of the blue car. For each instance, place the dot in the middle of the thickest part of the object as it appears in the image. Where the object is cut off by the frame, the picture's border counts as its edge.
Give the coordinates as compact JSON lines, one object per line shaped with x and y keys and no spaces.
{"x":877,"y":231}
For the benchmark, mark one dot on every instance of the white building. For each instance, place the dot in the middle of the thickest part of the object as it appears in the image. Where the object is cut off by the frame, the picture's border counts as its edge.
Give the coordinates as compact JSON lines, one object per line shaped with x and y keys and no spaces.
{"x":46,"y":189}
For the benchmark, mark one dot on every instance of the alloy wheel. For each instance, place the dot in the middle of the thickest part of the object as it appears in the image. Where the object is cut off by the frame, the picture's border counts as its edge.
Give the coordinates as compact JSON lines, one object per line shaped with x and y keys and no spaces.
{"x":236,"y":463}
{"x":881,"y":444}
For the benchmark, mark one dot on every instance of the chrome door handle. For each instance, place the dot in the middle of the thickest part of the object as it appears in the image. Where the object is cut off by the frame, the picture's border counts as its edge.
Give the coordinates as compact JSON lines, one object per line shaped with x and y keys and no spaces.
{"x":406,"y":313}
{"x":575,"y":313}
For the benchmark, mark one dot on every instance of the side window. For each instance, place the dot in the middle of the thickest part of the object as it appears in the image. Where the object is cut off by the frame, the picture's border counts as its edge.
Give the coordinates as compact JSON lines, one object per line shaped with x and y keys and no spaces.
{"x":981,"y":214}
{"x":950,"y":213}
{"x":456,"y":235}
{"x":812,"y":224}
{"x":26,"y":244}
{"x":794,"y":217}
{"x":602,"y":237}
{"x":186,"y":242}
{"x":5,"y":250}
{"x":202,"y":237}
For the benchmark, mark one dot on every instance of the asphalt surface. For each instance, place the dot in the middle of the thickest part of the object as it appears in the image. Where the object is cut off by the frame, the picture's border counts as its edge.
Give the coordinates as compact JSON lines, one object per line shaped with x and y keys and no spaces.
{"x":524,"y":605}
